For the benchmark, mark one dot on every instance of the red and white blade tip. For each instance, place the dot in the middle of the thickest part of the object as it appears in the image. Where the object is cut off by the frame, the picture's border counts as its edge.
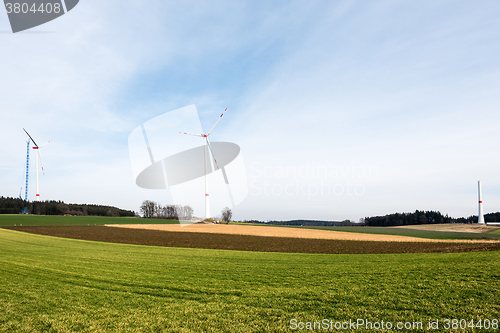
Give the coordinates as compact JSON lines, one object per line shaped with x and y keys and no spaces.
{"x":216,"y":122}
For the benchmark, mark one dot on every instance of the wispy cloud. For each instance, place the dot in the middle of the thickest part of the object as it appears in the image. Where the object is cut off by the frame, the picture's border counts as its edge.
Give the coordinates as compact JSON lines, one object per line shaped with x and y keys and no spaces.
{"x":406,"y":88}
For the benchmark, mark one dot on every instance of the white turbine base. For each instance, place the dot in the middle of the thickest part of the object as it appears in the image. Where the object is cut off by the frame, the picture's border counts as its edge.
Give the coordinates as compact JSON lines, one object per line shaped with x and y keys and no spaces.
{"x":480,"y":216}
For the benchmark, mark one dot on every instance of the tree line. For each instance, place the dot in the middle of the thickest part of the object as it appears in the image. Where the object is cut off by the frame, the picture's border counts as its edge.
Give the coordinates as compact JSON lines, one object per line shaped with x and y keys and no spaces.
{"x":53,"y":207}
{"x":396,"y":219}
{"x":424,"y":217}
{"x":151,"y":209}
{"x":309,"y":223}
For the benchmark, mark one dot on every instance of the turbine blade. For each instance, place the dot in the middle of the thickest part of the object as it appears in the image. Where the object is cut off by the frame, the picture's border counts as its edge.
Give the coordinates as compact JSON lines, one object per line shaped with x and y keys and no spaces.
{"x":45,"y":143}
{"x":209,"y":146}
{"x":200,"y":135}
{"x":216,"y":122}
{"x":225,"y":178}
{"x":40,"y":159}
{"x":229,"y":191}
{"x":30,"y":138}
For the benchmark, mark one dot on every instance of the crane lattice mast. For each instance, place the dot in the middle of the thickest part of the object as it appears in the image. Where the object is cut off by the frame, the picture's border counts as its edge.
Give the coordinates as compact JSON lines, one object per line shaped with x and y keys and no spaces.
{"x":25,"y":209}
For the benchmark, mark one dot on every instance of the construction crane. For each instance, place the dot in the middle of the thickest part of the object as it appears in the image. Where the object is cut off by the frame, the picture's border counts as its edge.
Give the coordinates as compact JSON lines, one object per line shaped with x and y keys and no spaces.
{"x":25,"y":209}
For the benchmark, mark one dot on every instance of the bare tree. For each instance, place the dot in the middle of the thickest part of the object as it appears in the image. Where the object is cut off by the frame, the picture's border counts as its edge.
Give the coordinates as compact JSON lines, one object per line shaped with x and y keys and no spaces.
{"x":162,"y":212}
{"x":157,"y":210}
{"x":148,"y":208}
{"x":188,"y":213}
{"x":227,"y":214}
{"x":151,"y":209}
{"x":179,"y":212}
{"x":170,"y":213}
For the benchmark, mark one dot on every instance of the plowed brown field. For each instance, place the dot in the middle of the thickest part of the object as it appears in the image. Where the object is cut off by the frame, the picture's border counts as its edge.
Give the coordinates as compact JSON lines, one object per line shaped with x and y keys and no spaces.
{"x":205,"y":240}
{"x":287,"y":232}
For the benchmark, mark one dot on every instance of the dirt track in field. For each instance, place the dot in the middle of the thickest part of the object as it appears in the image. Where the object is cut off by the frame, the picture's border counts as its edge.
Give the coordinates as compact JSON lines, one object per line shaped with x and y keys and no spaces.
{"x":287,"y":232}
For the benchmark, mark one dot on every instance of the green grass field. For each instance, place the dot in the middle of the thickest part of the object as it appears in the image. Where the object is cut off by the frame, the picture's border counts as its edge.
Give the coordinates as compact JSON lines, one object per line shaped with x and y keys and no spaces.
{"x":50,"y":284}
{"x":18,"y":219}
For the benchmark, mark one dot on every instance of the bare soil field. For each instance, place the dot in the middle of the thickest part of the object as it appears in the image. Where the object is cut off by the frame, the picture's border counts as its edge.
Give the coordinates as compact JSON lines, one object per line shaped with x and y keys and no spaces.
{"x":286,"y":232}
{"x":455,"y":227}
{"x":240,"y":242}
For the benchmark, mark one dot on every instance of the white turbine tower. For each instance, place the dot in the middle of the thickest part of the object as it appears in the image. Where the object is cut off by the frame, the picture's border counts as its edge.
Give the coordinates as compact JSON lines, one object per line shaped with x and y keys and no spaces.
{"x":39,"y":157}
{"x":480,"y":216}
{"x":207,"y":143}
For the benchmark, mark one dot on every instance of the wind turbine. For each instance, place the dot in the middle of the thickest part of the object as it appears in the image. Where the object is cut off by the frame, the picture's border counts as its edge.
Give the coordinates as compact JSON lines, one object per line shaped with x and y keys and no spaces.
{"x":35,"y":146}
{"x":207,"y":143}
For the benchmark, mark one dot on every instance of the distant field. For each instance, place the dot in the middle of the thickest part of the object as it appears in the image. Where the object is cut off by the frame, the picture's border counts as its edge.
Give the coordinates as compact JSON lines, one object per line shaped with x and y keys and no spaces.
{"x":431,"y":234}
{"x":454,"y":227}
{"x":420,"y":233}
{"x":50,"y":284}
{"x":37,"y":220}
{"x":247,"y":242}
{"x":18,"y":219}
{"x":34,"y":220}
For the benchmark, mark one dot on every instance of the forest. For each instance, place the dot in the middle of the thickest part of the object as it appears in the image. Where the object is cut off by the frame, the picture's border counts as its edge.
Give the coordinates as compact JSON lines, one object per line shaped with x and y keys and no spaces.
{"x":52,"y":207}
{"x":396,"y":219}
{"x":424,"y":217}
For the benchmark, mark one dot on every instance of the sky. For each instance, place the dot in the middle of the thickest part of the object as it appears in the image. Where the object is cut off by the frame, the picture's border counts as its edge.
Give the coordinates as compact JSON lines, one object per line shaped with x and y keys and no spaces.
{"x":342,"y":109}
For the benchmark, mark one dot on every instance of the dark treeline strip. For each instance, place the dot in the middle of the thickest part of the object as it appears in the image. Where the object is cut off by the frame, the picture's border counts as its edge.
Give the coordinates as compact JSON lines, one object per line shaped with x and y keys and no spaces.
{"x":490,"y":217}
{"x":397,"y":219}
{"x":247,"y":243}
{"x":424,"y":217}
{"x":11,"y":205}
{"x":308,"y":223}
{"x":52,"y":207}
{"x":418,"y":217}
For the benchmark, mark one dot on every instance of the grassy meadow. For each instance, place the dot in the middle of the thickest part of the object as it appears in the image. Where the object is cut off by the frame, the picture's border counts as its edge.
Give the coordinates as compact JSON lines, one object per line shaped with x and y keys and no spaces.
{"x":50,"y":284}
{"x":19,"y":219}
{"x":496,"y":232}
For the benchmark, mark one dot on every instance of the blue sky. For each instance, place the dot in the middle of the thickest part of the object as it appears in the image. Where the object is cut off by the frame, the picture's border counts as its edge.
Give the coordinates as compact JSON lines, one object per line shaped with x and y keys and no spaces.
{"x":397,"y":100}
